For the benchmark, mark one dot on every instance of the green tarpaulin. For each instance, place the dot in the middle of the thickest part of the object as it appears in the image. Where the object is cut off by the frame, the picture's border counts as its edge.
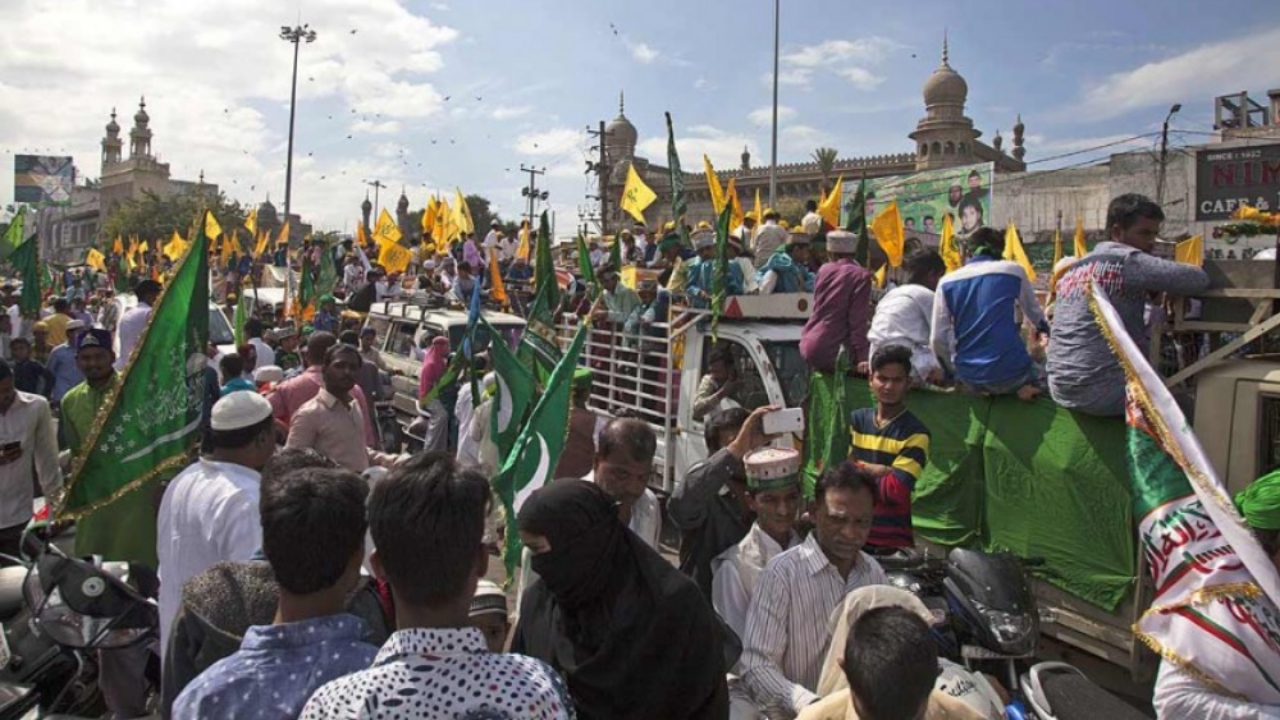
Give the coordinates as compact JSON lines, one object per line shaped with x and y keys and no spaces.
{"x":1030,"y":478}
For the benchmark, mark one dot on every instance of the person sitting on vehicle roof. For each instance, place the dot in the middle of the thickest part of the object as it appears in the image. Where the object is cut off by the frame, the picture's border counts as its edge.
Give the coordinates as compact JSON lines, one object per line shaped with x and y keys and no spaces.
{"x":619,"y":300}
{"x":841,"y":304}
{"x":464,"y":285}
{"x":701,"y":278}
{"x":670,"y":259}
{"x":1179,"y":693}
{"x":975,"y":327}
{"x":738,"y":255}
{"x":786,"y":271}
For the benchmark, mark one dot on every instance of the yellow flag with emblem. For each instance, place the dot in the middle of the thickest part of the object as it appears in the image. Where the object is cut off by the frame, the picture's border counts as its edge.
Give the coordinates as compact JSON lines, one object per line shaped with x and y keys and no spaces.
{"x":948,"y":249}
{"x":462,"y":214}
{"x":211,"y":227}
{"x":251,"y":222}
{"x":636,"y":196}
{"x":713,"y":185}
{"x":1014,"y":251}
{"x":393,"y":256}
{"x":386,"y":229}
{"x":829,"y":208}
{"x":96,"y":260}
{"x":1190,"y":251}
{"x":888,"y":229}
{"x":175,"y":247}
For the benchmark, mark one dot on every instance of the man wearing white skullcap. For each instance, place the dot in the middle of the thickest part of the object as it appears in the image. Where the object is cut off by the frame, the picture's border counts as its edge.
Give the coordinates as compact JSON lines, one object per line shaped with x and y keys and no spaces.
{"x":210,"y":511}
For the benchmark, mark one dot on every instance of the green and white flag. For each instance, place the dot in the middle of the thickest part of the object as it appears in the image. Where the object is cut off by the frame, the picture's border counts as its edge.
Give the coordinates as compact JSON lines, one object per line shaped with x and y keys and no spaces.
{"x":26,"y":260}
{"x":720,"y":271}
{"x":15,"y":235}
{"x":1214,"y":609}
{"x":516,"y":388}
{"x":150,"y":423}
{"x":679,"y":203}
{"x":538,"y":347}
{"x":536,"y":451}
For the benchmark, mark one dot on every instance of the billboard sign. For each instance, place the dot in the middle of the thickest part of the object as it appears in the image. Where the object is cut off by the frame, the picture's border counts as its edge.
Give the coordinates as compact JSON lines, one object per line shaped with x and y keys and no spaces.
{"x":43,"y":179}
{"x":925,"y":198}
{"x":1227,"y":179}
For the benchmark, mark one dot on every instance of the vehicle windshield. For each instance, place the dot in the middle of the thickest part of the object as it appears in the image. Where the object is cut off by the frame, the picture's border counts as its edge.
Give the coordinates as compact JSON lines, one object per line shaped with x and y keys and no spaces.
{"x":219,"y":329}
{"x":793,"y":376}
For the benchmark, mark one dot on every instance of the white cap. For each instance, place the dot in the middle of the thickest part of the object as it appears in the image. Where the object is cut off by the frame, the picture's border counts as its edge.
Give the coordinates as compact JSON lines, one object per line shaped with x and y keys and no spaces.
{"x":841,"y":242}
{"x":238,"y":410}
{"x":75,"y":325}
{"x":771,"y":467}
{"x":268,"y":374}
{"x":703,"y":239}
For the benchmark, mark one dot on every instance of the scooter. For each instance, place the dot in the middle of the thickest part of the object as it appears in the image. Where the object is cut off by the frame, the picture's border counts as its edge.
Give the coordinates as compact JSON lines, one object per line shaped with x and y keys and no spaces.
{"x":1058,"y":691}
{"x":57,"y":612}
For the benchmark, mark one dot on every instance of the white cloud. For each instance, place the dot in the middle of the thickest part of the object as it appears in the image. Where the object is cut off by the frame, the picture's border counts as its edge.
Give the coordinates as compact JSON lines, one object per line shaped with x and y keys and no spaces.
{"x":442,"y":7}
{"x":724,"y":148}
{"x":549,"y":142}
{"x":763,"y":117}
{"x":796,"y":77}
{"x":700,"y":83}
{"x":216,"y":81}
{"x":801,"y":138}
{"x":506,"y":112}
{"x":861,"y":78}
{"x":1199,"y":73}
{"x":871,"y":50}
{"x":644,"y":53}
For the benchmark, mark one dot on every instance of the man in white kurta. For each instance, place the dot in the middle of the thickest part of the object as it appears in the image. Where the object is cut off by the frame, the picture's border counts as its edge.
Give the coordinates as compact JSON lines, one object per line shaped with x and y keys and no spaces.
{"x":209,"y":513}
{"x":773,"y":494}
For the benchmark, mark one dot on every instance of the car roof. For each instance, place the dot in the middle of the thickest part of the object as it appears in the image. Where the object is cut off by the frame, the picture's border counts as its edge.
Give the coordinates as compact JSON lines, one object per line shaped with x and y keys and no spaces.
{"x":440,"y":317}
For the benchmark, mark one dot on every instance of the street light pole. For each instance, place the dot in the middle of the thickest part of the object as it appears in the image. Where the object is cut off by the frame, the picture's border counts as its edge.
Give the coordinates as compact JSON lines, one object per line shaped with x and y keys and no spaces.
{"x":377,"y":186}
{"x":773,"y":160}
{"x":294,"y":35}
{"x":1164,"y":154}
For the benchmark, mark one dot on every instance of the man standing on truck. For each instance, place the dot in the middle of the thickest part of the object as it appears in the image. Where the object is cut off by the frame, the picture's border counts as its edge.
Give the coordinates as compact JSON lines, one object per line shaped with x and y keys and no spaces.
{"x":709,"y":503}
{"x":1084,"y":375}
{"x":841,"y":306}
{"x":893,"y":445}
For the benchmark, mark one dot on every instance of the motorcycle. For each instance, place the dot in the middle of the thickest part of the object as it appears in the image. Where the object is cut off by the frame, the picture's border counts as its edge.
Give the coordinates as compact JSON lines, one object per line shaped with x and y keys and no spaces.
{"x":58,"y":611}
{"x":1058,"y":691}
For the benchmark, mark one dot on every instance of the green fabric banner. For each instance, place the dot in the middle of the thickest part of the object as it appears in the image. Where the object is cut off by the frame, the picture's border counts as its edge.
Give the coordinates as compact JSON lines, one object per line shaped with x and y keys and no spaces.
{"x":152,"y":420}
{"x":1030,"y":478}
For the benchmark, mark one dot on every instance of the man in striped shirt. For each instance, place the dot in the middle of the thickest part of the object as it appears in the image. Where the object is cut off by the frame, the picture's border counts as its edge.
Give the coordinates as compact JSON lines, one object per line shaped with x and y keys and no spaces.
{"x":892,"y":445}
{"x":787,"y":623}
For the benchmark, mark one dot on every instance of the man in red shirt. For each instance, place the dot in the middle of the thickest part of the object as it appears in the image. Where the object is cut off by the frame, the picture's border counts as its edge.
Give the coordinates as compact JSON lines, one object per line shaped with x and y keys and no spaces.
{"x":290,"y":395}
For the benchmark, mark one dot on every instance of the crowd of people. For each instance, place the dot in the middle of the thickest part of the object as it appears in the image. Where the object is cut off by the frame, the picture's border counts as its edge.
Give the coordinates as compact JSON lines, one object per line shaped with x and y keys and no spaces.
{"x":307,"y":573}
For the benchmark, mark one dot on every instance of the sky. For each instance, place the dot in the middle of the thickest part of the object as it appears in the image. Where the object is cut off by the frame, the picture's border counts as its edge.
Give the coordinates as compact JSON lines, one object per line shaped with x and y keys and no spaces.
{"x":430,"y":96}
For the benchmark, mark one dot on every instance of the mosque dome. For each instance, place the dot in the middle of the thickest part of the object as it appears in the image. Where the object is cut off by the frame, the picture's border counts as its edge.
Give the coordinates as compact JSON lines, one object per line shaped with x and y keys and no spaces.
{"x":620,"y":130}
{"x":945,"y":86}
{"x":113,"y":127}
{"x":141,"y":117}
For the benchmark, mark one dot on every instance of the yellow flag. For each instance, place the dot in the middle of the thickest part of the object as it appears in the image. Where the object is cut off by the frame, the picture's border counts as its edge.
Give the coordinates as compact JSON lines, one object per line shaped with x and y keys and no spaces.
{"x":1080,"y":248}
{"x":283,"y":237}
{"x":386,"y":230}
{"x":442,"y":223}
{"x":731,"y":196}
{"x":759,"y":218}
{"x":225,"y":258}
{"x":713,"y":185}
{"x":1013,"y":251}
{"x":260,"y":248}
{"x":1057,"y":248}
{"x":462,"y":214}
{"x":829,"y":208}
{"x":117,"y":247}
{"x":497,"y":290}
{"x":175,"y":247}
{"x":429,"y":216}
{"x":522,"y":249}
{"x":144,"y":248}
{"x":947,"y":248}
{"x":393,"y":256}
{"x":1190,"y":251}
{"x":888,"y":230}
{"x":880,"y":276}
{"x":96,"y":260}
{"x":636,"y":196}
{"x":133,"y":245}
{"x":251,"y":222}
{"x":211,"y":227}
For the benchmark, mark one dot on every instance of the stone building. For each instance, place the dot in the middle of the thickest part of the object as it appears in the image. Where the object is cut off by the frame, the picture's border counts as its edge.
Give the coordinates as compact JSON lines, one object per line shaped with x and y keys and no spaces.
{"x":66,"y":233}
{"x":943,"y":138}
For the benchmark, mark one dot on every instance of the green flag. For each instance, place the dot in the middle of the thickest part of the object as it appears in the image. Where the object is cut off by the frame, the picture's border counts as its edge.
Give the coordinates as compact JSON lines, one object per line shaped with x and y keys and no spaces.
{"x":857,"y":224}
{"x":679,"y":204}
{"x":615,"y":253}
{"x":16,"y":233}
{"x":328,"y":278}
{"x":27,"y":262}
{"x":720,"y":273}
{"x":150,"y":423}
{"x":536,"y":451}
{"x":516,"y":387}
{"x":306,"y":285}
{"x":585,"y":269}
{"x":538,"y":347}
{"x":241,"y":317}
{"x":122,"y":275}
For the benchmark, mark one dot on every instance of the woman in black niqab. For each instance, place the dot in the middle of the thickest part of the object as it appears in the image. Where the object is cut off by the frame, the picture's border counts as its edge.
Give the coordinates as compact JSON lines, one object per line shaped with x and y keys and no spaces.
{"x":634,"y":638}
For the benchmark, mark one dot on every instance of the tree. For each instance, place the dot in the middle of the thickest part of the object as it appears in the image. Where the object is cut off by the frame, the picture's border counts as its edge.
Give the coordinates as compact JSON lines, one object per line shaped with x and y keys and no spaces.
{"x":826,"y":159}
{"x":155,"y":218}
{"x":481,"y":213}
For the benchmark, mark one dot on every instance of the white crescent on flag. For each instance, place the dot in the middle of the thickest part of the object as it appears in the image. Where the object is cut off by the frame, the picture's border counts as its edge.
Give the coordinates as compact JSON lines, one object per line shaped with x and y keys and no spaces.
{"x":539,"y":475}
{"x":504,"y":405}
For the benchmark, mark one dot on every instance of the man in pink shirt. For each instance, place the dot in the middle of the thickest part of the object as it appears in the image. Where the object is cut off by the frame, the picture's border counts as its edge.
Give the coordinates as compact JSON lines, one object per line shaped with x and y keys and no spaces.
{"x":841,"y":308}
{"x":290,"y":395}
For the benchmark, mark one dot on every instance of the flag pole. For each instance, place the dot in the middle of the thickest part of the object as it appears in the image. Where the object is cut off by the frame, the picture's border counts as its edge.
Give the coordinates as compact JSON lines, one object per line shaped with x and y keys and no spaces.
{"x":773,"y":160}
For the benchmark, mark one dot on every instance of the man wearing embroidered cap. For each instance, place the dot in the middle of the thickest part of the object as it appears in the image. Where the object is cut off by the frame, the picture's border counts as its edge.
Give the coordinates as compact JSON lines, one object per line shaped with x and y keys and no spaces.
{"x":786,"y":270}
{"x":209,"y":513}
{"x":841,"y":308}
{"x":489,"y":615}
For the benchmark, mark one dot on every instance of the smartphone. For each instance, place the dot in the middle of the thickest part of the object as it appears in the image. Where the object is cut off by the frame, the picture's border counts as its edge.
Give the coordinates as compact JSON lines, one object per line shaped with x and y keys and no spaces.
{"x":787,"y":420}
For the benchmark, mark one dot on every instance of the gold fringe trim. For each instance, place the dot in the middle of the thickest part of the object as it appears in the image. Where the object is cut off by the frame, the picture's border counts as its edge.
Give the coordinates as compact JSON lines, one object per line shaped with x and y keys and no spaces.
{"x":1205,"y":595}
{"x":109,"y":405}
{"x":1185,"y":665}
{"x":178,"y":460}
